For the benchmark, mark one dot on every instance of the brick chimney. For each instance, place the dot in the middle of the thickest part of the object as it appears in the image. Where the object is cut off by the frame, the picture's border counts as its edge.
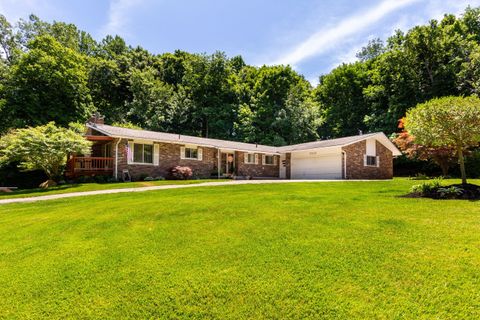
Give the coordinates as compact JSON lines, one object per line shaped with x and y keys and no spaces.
{"x":96,"y":119}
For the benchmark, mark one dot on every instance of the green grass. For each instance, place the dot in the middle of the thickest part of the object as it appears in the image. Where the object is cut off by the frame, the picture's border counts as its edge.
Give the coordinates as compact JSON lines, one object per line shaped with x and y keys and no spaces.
{"x":303,"y":250}
{"x":67,"y":188}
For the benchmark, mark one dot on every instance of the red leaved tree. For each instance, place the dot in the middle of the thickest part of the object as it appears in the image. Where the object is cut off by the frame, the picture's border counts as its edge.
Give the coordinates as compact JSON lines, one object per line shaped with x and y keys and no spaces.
{"x":444,"y":157}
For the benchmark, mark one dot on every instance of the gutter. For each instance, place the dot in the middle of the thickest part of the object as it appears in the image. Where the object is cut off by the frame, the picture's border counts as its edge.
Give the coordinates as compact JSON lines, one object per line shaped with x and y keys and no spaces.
{"x":344,"y":164}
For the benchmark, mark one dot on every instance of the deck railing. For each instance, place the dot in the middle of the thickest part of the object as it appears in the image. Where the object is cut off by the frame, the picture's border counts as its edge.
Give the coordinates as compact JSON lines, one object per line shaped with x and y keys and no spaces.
{"x":89,"y":165}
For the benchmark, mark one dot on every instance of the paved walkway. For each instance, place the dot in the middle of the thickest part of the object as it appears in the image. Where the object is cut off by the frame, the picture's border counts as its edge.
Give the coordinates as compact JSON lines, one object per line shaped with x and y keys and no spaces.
{"x":142,"y":189}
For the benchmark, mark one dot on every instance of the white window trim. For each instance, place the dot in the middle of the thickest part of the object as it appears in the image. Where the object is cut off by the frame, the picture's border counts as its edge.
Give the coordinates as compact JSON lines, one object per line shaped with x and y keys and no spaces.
{"x":132,"y":144}
{"x":199,"y":153}
{"x":365,"y":161}
{"x":269,"y":164}
{"x":246,"y":154}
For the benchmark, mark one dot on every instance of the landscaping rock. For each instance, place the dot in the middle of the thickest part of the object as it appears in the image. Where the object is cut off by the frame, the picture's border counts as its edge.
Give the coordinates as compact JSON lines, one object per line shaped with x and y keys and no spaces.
{"x":47,"y":184}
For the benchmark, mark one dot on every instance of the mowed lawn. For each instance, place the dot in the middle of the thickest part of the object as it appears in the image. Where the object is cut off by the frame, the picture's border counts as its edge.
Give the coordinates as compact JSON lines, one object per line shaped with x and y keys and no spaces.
{"x":302,"y":250}
{"x":80,"y":187}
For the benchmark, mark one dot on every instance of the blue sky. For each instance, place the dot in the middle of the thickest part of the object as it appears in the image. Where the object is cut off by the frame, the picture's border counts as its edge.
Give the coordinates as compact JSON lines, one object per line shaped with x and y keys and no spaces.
{"x":312,"y":36}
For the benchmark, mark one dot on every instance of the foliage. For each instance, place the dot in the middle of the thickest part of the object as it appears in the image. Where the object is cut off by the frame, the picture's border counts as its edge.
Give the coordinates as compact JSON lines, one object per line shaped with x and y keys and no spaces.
{"x":447,"y":122}
{"x":49,"y":83}
{"x":427,"y":187}
{"x":127,"y":125}
{"x":54,"y":71}
{"x":42,"y":148}
{"x":181,"y":173}
{"x":449,"y":192}
{"x":444,"y":156}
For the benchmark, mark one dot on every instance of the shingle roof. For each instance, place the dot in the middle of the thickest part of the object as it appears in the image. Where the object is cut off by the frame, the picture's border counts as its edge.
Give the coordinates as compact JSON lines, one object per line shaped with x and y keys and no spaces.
{"x":233,"y":145}
{"x":177,"y":138}
{"x":326,"y":143}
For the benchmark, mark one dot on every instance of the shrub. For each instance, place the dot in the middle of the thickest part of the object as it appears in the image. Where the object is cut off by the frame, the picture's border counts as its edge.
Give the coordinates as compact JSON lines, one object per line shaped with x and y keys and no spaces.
{"x":100,"y":179}
{"x":427,"y":187}
{"x":142,"y":176}
{"x":450,"y":192}
{"x":181,"y":173}
{"x":148,"y":179}
{"x":159,"y":178}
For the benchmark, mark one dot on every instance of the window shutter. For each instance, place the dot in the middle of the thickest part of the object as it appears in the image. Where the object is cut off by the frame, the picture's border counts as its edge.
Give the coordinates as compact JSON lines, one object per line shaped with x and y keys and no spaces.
{"x":182,"y":152}
{"x":200,"y":154}
{"x":256,"y":158}
{"x":130,"y":152}
{"x":378,"y":161}
{"x":156,"y":151}
{"x":263,"y":159}
{"x":245,"y":157}
{"x":364,"y":160}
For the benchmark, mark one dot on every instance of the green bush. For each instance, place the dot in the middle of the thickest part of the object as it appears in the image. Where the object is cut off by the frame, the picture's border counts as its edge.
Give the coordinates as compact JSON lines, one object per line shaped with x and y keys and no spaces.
{"x":427,"y":187}
{"x":450,"y":192}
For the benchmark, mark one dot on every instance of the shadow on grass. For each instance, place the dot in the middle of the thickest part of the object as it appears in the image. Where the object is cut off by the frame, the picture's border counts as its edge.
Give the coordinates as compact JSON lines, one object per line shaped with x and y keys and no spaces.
{"x":40,"y":190}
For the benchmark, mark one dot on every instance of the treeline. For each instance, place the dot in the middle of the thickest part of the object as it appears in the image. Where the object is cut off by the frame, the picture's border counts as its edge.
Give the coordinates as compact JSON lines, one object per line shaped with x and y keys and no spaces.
{"x":54,"y":71}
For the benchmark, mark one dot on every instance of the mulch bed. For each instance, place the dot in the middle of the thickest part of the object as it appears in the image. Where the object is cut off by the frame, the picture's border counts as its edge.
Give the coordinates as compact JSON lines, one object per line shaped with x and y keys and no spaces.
{"x":469,"y":192}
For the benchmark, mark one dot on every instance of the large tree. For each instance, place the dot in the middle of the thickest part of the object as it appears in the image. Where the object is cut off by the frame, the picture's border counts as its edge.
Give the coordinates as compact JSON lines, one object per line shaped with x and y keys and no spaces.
{"x":447,"y":122}
{"x":42,"y":148}
{"x":49,"y":83}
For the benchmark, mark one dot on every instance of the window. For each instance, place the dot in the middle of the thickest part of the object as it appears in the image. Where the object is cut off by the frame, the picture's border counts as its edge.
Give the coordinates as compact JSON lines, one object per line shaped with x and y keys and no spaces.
{"x":142,"y":153}
{"x":191,"y":153}
{"x":249,"y":158}
{"x":270,"y":160}
{"x":371,"y":161}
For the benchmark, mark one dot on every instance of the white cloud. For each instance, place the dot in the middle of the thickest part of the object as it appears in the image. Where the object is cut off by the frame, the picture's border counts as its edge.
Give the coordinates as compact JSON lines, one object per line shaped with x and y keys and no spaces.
{"x":326,"y":39}
{"x":118,"y":16}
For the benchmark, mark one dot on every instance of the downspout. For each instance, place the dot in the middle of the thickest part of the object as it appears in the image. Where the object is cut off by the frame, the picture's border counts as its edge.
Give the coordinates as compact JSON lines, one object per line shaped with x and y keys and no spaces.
{"x":344,"y":165}
{"x":116,"y":158}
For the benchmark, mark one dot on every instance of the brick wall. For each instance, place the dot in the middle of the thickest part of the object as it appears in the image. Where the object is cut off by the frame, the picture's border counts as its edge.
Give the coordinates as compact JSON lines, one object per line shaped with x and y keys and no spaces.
{"x":255,"y":170}
{"x":356,"y":169}
{"x":169,"y":156}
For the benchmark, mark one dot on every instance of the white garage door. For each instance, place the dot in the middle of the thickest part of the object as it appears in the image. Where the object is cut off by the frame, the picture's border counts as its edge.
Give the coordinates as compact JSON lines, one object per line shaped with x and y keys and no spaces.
{"x":313,"y":166}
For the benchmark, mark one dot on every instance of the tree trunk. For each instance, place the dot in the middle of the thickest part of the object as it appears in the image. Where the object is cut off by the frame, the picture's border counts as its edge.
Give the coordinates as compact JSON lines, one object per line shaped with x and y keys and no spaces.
{"x":462,"y":164}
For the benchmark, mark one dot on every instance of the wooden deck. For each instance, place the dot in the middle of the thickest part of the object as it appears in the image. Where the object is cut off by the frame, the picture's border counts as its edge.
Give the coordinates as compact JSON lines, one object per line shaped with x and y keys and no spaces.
{"x":89,"y":166}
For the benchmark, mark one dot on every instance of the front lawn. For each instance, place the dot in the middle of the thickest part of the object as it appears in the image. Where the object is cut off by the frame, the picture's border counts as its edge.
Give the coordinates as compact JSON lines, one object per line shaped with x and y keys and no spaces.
{"x":78,"y":187}
{"x":301,"y":250}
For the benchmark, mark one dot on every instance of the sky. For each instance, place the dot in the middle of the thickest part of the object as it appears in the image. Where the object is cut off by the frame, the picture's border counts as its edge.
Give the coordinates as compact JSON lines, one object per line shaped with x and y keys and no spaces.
{"x":312,"y":36}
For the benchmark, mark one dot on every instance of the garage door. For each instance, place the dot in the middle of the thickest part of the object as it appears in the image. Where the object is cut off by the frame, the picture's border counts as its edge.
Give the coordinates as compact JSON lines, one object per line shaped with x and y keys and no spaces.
{"x":327,"y":166}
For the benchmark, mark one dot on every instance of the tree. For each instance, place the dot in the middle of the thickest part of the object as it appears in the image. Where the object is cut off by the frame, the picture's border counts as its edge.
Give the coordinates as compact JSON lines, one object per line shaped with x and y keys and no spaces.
{"x":42,"y":148}
{"x":342,"y":102}
{"x":447,"y":122}
{"x":49,"y":83}
{"x":444,"y":157}
{"x":373,"y":49}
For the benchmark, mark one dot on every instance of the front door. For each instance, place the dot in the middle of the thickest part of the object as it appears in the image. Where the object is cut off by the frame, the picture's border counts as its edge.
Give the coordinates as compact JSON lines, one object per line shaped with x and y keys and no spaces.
{"x":227,"y":163}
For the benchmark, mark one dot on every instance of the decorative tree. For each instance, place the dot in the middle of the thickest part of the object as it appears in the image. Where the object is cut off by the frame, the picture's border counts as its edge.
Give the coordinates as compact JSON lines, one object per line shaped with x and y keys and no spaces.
{"x":42,"y":148}
{"x":444,"y":157}
{"x":447,"y":122}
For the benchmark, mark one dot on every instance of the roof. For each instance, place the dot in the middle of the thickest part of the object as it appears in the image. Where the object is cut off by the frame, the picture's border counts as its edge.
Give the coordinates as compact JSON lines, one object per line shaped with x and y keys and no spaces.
{"x":126,"y":133}
{"x":119,"y":132}
{"x":342,"y":142}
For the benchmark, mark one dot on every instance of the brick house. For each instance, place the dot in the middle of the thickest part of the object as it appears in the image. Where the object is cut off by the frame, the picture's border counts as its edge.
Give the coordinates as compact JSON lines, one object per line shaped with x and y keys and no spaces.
{"x":143,"y":153}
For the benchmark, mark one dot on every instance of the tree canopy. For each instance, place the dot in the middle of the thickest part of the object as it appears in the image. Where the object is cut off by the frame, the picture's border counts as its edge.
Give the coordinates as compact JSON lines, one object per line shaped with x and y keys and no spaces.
{"x":447,"y":122}
{"x":56,"y":72}
{"x":42,"y":148}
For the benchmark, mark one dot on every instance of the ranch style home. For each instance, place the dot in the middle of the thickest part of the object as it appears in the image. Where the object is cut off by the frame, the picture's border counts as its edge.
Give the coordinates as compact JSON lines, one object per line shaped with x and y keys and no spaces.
{"x":117,"y":151}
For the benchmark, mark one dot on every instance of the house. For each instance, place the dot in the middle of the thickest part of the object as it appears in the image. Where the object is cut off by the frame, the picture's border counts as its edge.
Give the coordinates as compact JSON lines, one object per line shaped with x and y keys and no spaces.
{"x":149,"y":153}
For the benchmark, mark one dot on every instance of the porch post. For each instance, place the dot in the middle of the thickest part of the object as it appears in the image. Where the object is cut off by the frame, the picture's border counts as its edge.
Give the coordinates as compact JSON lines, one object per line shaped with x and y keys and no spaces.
{"x":116,"y":159}
{"x":218,"y":163}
